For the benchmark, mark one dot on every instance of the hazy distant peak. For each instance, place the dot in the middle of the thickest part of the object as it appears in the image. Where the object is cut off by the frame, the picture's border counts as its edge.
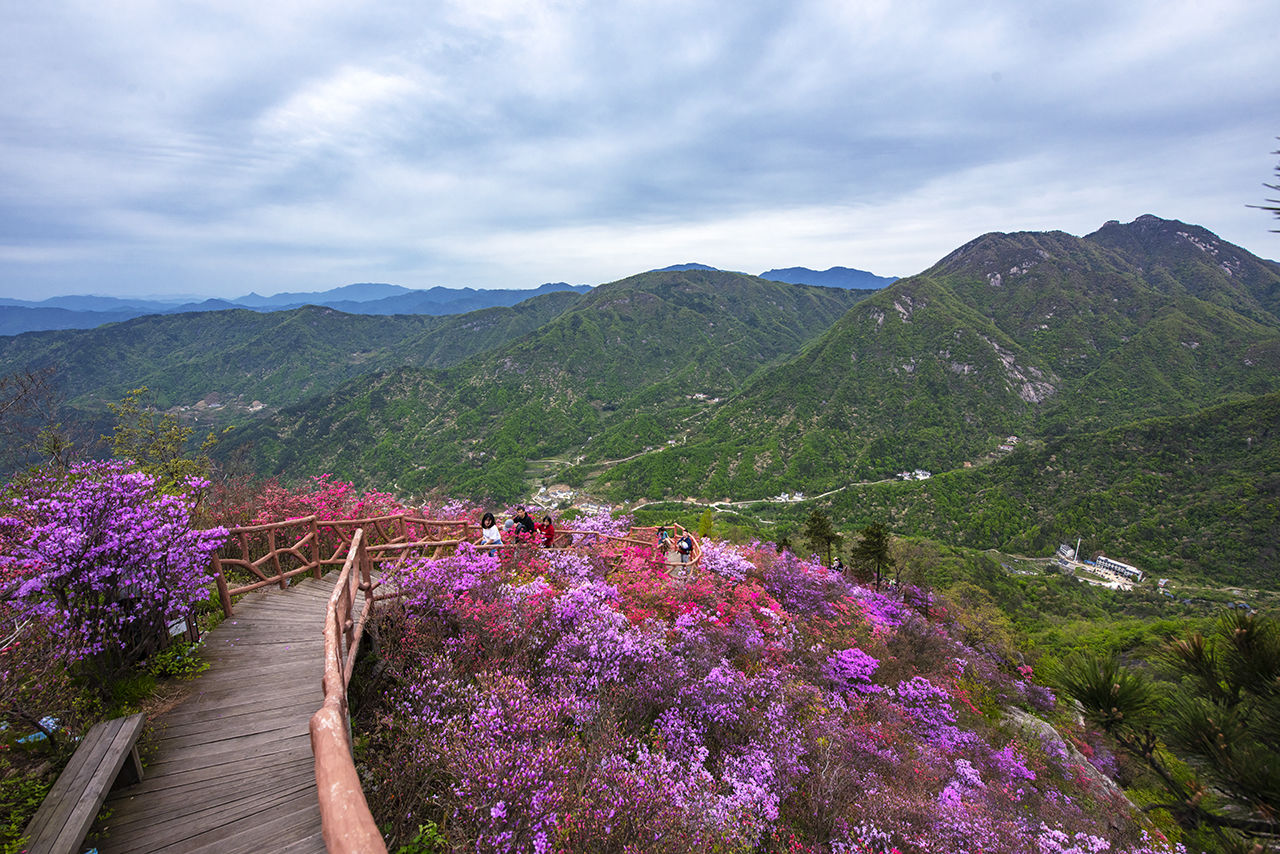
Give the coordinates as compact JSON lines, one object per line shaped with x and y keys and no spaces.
{"x":833,"y":277}
{"x":359,"y":292}
{"x":679,"y":267}
{"x":551,"y":287}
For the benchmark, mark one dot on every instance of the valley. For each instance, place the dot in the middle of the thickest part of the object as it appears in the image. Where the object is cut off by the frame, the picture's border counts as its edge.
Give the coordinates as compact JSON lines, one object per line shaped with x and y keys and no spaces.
{"x":1138,"y":365}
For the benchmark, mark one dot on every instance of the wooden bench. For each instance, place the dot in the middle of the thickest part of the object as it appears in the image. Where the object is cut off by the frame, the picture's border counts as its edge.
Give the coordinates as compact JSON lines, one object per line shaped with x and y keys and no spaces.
{"x":107,"y":753}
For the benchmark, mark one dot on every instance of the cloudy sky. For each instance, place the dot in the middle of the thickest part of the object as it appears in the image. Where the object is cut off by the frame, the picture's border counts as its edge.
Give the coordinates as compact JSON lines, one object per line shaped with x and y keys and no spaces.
{"x":220,"y":147}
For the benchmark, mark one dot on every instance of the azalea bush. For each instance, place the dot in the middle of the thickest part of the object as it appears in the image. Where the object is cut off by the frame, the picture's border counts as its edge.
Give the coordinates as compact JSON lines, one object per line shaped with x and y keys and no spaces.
{"x":321,"y":496}
{"x":102,"y":560}
{"x":534,"y":700}
{"x":248,"y":501}
{"x":95,"y":561}
{"x":602,"y":522}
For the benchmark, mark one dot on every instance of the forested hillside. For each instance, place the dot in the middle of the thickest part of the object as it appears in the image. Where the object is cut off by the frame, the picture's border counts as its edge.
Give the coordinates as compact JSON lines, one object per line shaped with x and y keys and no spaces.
{"x":1023,"y":334}
{"x":1181,"y":495}
{"x":628,"y":367}
{"x":277,"y":357}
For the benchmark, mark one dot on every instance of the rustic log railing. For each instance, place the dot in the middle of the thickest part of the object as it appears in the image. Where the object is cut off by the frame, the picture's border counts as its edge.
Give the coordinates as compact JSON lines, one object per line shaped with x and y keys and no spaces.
{"x":275,"y":556}
{"x":312,"y":539}
{"x":398,"y":528}
{"x":345,"y":820}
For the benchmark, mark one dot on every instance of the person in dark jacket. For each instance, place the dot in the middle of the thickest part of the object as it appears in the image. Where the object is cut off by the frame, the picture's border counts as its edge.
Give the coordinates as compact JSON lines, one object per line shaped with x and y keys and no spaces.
{"x":524,"y":522}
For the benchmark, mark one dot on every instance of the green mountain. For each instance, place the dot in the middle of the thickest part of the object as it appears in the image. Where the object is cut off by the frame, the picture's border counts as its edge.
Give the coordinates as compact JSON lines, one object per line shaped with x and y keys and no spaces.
{"x":1012,"y":334}
{"x":629,"y":366}
{"x":909,"y":371}
{"x":278,"y":358}
{"x":1187,"y":258}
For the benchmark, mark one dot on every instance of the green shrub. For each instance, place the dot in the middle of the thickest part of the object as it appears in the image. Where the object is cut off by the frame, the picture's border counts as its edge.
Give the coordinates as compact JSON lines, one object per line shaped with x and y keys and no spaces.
{"x":20,"y":797}
{"x":180,"y":661}
{"x":428,"y":840}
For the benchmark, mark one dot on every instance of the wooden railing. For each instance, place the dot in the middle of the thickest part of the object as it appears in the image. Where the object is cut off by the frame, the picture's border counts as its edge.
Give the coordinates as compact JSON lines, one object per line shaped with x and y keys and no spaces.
{"x":276,"y":555}
{"x":345,"y":820}
{"x":316,"y":544}
{"x":401,"y":528}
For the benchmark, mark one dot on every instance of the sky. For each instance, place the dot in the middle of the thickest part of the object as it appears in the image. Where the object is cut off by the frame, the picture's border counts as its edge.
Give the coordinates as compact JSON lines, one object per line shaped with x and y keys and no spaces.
{"x":217,"y":148}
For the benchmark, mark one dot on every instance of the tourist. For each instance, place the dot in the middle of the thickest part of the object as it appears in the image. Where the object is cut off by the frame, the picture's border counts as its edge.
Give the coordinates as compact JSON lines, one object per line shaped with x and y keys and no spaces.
{"x":524,"y":523}
{"x":685,"y":546}
{"x":548,"y":530}
{"x":490,"y":536}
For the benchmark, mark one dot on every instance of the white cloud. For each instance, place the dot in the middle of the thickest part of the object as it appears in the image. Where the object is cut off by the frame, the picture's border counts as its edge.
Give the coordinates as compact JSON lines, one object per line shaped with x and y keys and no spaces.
{"x":349,"y":104}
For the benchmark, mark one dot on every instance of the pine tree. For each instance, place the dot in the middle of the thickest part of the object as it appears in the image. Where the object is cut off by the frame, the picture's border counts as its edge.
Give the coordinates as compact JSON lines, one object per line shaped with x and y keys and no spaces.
{"x":872,"y":550}
{"x":1272,"y":205}
{"x":1222,"y":722}
{"x":819,"y":533}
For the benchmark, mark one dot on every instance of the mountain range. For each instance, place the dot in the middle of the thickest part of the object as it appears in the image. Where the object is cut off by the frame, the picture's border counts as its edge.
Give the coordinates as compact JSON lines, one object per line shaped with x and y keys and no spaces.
{"x":697,"y":382}
{"x":88,"y":312}
{"x":1011,"y":334}
{"x":277,"y":357}
{"x":833,"y":277}
{"x":623,"y":368}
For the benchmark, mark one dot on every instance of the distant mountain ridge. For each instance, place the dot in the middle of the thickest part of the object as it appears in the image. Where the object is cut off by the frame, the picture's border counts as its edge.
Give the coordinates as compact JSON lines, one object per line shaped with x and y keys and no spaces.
{"x":88,"y":312}
{"x":277,"y":357}
{"x":379,"y":298}
{"x":680,"y":268}
{"x":359,"y":292}
{"x":834,"y":277}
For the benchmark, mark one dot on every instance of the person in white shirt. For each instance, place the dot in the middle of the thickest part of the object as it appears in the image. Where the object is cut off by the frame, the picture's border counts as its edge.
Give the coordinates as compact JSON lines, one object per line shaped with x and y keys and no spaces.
{"x":490,"y":535}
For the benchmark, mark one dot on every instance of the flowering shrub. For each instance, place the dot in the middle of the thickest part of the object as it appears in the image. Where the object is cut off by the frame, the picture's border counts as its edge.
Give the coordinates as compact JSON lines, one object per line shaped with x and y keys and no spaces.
{"x":323,"y":497}
{"x":602,"y":522}
{"x":105,"y":560}
{"x":725,"y":559}
{"x":851,"y":670}
{"x":590,"y":701}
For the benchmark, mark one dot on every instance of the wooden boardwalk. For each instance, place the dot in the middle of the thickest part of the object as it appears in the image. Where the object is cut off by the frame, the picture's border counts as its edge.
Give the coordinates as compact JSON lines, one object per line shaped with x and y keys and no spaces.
{"x":230,"y":768}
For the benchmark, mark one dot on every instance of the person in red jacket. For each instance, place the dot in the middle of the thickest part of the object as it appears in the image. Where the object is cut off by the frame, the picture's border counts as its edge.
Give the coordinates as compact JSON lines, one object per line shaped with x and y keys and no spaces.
{"x":548,"y":529}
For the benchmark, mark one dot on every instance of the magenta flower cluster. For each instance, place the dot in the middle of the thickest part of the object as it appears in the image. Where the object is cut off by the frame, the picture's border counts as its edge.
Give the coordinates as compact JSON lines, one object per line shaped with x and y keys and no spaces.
{"x":103,"y":556}
{"x":592,"y":702}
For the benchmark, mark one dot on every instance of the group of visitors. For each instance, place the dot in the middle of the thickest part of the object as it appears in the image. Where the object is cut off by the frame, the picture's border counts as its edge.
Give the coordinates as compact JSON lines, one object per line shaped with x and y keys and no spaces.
{"x":520,"y":527}
{"x":682,"y":546}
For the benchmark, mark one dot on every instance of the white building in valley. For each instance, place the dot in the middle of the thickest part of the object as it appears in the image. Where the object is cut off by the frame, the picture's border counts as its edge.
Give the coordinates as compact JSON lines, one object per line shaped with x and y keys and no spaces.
{"x":1104,"y":562}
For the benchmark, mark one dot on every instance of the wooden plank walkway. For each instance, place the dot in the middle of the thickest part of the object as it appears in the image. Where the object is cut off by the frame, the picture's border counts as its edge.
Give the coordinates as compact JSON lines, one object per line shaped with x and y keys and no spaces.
{"x":230,"y":769}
